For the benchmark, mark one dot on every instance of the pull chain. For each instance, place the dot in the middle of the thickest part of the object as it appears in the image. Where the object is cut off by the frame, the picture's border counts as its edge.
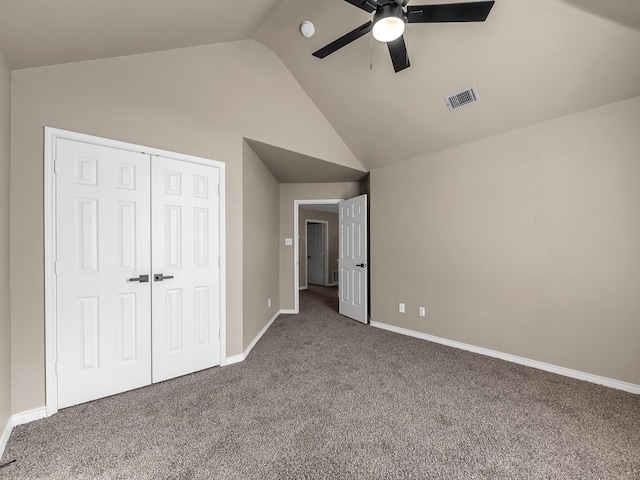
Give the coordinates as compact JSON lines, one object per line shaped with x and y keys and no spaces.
{"x":406,"y":47}
{"x":371,"y":51}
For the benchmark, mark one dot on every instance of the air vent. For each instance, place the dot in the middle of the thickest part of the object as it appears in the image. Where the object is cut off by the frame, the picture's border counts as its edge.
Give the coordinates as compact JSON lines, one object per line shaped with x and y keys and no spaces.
{"x":462,"y":99}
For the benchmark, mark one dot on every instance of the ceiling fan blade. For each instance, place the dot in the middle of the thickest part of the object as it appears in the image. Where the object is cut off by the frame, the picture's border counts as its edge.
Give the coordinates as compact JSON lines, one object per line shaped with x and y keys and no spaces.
{"x":399,"y":56}
{"x":449,"y":12}
{"x":366,"y":5}
{"x":344,"y":40}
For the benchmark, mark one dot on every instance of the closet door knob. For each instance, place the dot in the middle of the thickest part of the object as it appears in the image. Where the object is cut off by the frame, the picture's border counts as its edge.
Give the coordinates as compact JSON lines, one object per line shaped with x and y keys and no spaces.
{"x":158,"y":277}
{"x":141,"y":279}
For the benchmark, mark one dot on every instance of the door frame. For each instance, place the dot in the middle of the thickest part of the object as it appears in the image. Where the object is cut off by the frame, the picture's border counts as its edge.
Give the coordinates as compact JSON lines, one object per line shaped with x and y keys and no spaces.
{"x":50,"y":224}
{"x":296,"y":245}
{"x":325,"y":247}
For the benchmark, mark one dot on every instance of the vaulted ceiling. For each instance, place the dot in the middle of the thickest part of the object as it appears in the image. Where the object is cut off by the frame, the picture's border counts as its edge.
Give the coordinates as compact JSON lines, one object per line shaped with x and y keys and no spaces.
{"x":531,"y":61}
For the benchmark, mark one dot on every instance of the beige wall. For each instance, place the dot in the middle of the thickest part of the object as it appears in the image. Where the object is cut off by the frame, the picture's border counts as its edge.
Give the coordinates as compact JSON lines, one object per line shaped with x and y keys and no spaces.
{"x":334,"y":241}
{"x":261,"y":223}
{"x":5,"y":319}
{"x":289,"y":192}
{"x":526,"y":243}
{"x":200,"y":101}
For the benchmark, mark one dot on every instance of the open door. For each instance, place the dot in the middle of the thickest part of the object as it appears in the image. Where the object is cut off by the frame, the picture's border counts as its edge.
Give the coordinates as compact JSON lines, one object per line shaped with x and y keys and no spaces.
{"x":353,"y":258}
{"x":315,"y":253}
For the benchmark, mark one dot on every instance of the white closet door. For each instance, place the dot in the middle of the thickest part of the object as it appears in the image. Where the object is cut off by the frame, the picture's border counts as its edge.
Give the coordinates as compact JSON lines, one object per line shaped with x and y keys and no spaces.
{"x":186,"y":283}
{"x":102,"y":237}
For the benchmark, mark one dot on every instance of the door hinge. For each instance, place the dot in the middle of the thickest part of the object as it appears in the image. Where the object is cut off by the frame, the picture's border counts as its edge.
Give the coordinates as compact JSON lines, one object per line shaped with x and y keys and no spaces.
{"x":55,"y":167}
{"x":220,"y":334}
{"x":56,"y":368}
{"x":55,"y":267}
{"x":219,"y":190}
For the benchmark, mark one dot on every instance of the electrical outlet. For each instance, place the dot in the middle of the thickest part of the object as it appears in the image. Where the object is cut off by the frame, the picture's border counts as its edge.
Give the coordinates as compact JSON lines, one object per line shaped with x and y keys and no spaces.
{"x":422,"y":312}
{"x":401,"y":307}
{"x":269,"y":303}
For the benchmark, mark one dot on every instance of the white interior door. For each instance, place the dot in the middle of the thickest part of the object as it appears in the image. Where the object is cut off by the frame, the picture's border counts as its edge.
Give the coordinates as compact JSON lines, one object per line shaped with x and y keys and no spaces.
{"x":103,"y":243}
{"x":353,"y":258}
{"x":186,"y":270}
{"x":315,"y":253}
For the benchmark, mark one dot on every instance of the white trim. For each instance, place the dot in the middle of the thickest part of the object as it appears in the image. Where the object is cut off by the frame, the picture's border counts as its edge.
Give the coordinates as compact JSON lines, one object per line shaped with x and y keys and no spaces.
{"x":303,"y":287}
{"x":233,"y":359}
{"x":51,"y":379}
{"x":260,"y":334}
{"x":332,"y":284}
{"x":20,"y":419}
{"x":547,"y":367}
{"x":243,"y":356}
{"x":51,"y":136}
{"x":4,"y":439}
{"x":288,"y":311}
{"x":296,"y":247}
{"x":29,"y":416}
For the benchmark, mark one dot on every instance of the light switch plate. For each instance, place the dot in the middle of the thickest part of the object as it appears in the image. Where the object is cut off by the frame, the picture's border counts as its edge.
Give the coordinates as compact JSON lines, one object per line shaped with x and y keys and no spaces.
{"x":288,"y":241}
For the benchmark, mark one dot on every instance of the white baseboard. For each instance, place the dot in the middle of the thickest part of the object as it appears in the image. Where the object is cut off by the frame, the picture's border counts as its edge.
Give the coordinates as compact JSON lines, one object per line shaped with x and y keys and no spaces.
{"x":332,"y":284}
{"x":288,"y":311}
{"x":260,"y":334}
{"x":242,"y":356}
{"x":4,"y":439}
{"x":29,"y":416}
{"x":303,"y":287}
{"x":567,"y":372}
{"x":233,"y":359}
{"x":20,"y":419}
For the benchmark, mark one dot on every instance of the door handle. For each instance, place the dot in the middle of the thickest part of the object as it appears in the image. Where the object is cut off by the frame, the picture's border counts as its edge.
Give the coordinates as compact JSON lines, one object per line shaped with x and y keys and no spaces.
{"x":141,"y":279}
{"x":158,"y":277}
{"x":362,"y":265}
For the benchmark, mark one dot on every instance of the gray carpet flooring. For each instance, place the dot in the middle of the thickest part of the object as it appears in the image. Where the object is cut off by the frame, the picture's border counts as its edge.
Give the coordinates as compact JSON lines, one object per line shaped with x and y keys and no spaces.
{"x":321,"y":396}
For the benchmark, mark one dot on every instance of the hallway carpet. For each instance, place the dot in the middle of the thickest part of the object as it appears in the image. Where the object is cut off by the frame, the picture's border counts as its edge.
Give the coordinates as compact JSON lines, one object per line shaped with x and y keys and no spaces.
{"x":322,"y":396}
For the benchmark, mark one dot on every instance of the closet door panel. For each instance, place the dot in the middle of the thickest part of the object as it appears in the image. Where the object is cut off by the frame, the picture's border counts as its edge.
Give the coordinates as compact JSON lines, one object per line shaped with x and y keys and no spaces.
{"x":103,"y":241}
{"x":186,"y":249}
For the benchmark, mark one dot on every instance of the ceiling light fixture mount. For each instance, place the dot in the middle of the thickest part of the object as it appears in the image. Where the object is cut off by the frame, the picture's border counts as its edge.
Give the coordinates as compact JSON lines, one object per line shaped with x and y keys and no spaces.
{"x":388,"y":23}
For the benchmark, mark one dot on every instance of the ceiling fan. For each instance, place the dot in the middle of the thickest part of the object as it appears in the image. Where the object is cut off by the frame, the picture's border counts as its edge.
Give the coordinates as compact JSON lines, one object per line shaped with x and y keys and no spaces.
{"x":391,"y":16}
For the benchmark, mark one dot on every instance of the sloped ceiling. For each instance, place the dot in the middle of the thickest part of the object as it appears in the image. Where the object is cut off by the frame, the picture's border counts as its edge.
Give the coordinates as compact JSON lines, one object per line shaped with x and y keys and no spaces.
{"x":626,"y":12}
{"x":284,"y":165}
{"x":531,"y":61}
{"x":34,"y":33}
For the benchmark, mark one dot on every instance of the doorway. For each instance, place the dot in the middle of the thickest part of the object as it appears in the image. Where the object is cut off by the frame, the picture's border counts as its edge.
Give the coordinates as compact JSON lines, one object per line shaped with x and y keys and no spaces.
{"x":352,"y":261}
{"x":317,"y":252}
{"x":299,"y":246}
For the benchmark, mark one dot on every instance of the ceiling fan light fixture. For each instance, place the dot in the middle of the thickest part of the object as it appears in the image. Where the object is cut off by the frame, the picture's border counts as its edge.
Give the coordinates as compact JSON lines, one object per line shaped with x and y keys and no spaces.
{"x":390,"y":17}
{"x":388,"y":23}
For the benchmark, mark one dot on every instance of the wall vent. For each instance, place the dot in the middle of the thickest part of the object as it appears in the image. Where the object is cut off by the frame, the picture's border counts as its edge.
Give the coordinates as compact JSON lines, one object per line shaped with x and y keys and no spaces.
{"x":462,"y":99}
{"x":334,"y":276}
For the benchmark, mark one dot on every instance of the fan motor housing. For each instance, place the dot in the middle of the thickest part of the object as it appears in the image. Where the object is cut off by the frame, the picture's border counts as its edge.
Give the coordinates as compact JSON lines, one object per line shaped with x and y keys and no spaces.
{"x":389,"y":10}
